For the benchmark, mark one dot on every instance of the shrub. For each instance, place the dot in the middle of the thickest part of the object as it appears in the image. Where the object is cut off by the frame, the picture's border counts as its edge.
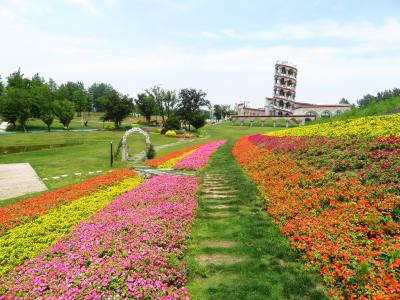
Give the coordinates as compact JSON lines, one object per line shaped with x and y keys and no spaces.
{"x":173,"y":123}
{"x":198,"y":121}
{"x":110,"y":126}
{"x":170,"y":133}
{"x":163,"y":131}
{"x":151,"y":152}
{"x":135,"y":125}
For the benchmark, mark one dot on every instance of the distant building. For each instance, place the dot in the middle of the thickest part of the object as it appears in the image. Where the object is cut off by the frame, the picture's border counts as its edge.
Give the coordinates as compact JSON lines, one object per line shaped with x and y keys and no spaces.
{"x":283,"y":101}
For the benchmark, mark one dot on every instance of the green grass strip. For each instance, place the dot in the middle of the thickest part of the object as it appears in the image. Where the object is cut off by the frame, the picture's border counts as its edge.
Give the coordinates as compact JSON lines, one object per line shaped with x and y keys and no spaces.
{"x":30,"y":239}
{"x":258,"y":262}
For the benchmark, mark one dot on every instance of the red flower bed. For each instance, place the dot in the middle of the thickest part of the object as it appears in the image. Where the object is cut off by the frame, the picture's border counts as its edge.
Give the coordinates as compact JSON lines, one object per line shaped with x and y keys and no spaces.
{"x":22,"y":211}
{"x":162,"y":159}
{"x":346,"y":227}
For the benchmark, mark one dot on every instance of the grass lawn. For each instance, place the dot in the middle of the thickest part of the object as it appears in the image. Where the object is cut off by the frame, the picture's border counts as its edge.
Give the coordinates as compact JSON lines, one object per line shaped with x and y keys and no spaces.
{"x":248,"y":257}
{"x":89,"y":151}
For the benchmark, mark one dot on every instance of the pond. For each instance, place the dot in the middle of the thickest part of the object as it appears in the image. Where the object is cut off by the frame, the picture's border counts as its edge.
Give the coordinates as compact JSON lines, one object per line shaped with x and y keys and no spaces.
{"x":27,"y":148}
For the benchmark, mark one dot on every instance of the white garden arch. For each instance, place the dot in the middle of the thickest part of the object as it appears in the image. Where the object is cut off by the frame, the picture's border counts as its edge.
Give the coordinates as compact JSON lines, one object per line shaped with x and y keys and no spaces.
{"x":124,"y":149}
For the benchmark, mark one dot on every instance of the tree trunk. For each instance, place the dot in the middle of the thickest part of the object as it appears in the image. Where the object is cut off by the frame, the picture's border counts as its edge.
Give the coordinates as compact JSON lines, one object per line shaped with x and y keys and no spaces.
{"x":48,"y":128}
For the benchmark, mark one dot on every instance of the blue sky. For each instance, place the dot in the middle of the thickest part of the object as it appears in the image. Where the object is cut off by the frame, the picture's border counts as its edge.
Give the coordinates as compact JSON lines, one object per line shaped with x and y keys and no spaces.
{"x":227,"y":48}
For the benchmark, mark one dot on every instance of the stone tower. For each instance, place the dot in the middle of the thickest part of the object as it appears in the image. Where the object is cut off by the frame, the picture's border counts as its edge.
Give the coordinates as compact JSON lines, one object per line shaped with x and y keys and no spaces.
{"x":282,"y":103}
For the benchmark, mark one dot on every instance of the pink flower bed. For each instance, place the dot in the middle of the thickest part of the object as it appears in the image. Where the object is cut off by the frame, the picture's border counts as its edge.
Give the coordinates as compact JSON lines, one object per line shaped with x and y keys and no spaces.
{"x":130,"y":249}
{"x":199,"y":158}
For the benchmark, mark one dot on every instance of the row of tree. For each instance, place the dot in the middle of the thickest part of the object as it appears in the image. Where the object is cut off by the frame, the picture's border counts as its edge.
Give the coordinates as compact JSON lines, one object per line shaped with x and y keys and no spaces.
{"x":381,"y":96}
{"x":222,"y":111}
{"x":189,"y":106}
{"x":22,"y":98}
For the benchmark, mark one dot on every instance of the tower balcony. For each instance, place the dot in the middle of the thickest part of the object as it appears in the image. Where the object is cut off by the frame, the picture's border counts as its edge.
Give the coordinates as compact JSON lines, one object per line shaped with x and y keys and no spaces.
{"x":284,"y":86}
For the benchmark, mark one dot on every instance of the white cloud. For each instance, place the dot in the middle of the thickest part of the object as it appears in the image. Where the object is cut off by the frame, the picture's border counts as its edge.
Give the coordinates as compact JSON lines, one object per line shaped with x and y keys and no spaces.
{"x":327,"y":71}
{"x":388,"y":32}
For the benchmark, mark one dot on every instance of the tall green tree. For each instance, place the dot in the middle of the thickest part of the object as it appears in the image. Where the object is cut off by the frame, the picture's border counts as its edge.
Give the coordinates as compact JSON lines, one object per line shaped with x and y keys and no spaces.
{"x":16,"y":101}
{"x":116,"y":107}
{"x":65,"y":111}
{"x":225,"y":109}
{"x":81,"y":100}
{"x":96,"y":91}
{"x":217,"y":112}
{"x":1,"y":86}
{"x":170,"y":102}
{"x":16,"y":106}
{"x":191,"y":102}
{"x":146,"y":105}
{"x":157,"y":93}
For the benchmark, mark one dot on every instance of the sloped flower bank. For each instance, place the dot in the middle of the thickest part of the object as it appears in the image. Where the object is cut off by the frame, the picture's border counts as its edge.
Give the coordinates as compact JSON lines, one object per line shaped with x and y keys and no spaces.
{"x":130,"y":249}
{"x":173,"y":155}
{"x":375,"y":126}
{"x":190,"y":158}
{"x":30,"y":239}
{"x":28,"y":209}
{"x":347,"y":227}
{"x":199,"y":158}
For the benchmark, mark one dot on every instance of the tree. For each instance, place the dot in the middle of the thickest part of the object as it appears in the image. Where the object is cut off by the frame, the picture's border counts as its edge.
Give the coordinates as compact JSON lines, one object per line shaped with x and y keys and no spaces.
{"x":344,"y":101}
{"x":8,"y":109}
{"x":64,"y":110}
{"x":16,"y":106}
{"x":1,"y":86}
{"x":173,"y":123}
{"x":146,"y":105}
{"x":82,"y":101}
{"x":170,"y":101}
{"x":116,"y":107}
{"x":96,"y":91}
{"x":225,"y":110}
{"x":16,"y":99}
{"x":199,"y":119}
{"x":47,"y":116}
{"x":191,"y":101}
{"x":157,"y":93}
{"x":218,"y":112}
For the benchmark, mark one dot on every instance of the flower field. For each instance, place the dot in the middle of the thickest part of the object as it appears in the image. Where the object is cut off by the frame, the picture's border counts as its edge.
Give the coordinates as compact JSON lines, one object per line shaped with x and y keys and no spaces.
{"x":378,"y":126}
{"x":337,"y":198}
{"x":25,"y":210}
{"x":40,"y":233}
{"x":164,"y":159}
{"x":190,"y":158}
{"x":130,"y":248}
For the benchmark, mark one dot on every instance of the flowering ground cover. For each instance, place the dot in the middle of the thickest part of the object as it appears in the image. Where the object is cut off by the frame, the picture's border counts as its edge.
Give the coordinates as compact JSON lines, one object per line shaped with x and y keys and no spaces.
{"x":22,"y":211}
{"x":190,"y":158}
{"x":378,"y":126}
{"x":199,"y":158}
{"x":171,"y":162}
{"x":164,"y":158}
{"x":31,"y":238}
{"x":130,"y":249}
{"x":337,"y":200}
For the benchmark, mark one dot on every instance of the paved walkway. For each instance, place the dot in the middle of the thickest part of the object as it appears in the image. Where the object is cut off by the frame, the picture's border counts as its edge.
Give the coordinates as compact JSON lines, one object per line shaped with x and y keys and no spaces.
{"x":19,"y":179}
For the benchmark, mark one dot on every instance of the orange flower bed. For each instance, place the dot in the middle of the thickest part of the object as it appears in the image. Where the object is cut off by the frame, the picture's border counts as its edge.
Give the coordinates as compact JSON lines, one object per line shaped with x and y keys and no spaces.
{"x":344,"y":229}
{"x":22,"y":211}
{"x":162,"y":159}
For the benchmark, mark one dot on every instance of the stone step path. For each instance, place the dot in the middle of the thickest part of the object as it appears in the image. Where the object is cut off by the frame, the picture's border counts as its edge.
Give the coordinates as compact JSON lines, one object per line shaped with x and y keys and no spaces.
{"x":218,"y":202}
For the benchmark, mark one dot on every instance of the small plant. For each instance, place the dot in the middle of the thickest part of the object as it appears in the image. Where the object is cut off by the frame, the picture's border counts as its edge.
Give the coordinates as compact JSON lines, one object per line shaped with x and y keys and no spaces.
{"x":170,"y":133}
{"x":151,"y":152}
{"x":173,"y":123}
{"x":110,"y":126}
